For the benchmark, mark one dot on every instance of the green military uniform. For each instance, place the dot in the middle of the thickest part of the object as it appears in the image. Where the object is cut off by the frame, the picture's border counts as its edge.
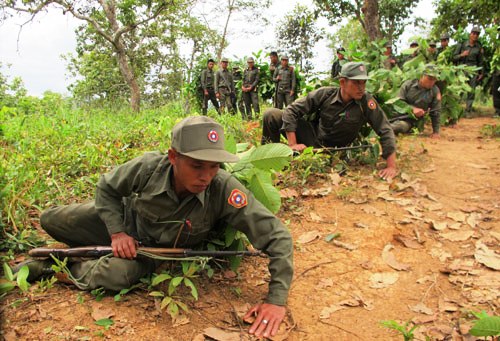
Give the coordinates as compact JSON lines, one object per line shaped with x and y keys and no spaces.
{"x":475,"y":58}
{"x":285,"y":84}
{"x":251,"y":98}
{"x":427,"y":99}
{"x":322,"y":119}
{"x":237,"y":99}
{"x":224,"y":86}
{"x":336,"y":67}
{"x":207,"y":85}
{"x":138,"y":198}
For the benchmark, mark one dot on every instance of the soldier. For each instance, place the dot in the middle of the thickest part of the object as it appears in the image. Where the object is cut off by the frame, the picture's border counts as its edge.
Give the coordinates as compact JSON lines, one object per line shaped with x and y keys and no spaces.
{"x":337,"y":64}
{"x":471,"y":53}
{"x":274,"y":64}
{"x":249,"y":88}
{"x":432,"y":51}
{"x":391,"y":61}
{"x":414,"y":46}
{"x":333,"y":117}
{"x":207,"y":85}
{"x":237,"y":99}
{"x":424,"y":97}
{"x":444,"y":41}
{"x":284,"y":77}
{"x":224,"y":87}
{"x":171,"y":200}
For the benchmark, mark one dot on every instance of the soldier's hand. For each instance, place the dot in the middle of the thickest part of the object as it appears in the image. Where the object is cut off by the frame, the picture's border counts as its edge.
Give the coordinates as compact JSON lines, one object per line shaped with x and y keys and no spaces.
{"x":292,"y":93}
{"x":206,"y":92}
{"x":123,"y":245}
{"x":465,"y":53}
{"x":298,"y":147}
{"x":388,"y":173}
{"x":268,"y":318}
{"x":418,"y":112}
{"x":217,"y":95}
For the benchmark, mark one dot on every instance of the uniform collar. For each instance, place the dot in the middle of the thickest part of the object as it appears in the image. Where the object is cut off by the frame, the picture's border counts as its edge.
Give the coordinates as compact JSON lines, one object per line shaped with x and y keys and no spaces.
{"x":337,"y":98}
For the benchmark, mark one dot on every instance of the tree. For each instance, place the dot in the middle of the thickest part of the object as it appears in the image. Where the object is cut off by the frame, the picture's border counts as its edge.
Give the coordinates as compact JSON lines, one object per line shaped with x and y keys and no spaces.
{"x":114,"y":21}
{"x":455,"y":14}
{"x":297,"y":34}
{"x":379,"y":18}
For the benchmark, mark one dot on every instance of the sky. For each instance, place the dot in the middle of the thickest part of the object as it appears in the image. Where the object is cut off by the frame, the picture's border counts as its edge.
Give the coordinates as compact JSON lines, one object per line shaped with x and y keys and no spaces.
{"x":34,"y":53}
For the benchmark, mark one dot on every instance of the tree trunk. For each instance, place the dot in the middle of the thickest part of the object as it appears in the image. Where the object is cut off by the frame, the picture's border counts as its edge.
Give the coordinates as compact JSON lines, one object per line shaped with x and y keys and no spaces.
{"x":372,"y":21}
{"x":230,"y":7}
{"x":130,"y":79}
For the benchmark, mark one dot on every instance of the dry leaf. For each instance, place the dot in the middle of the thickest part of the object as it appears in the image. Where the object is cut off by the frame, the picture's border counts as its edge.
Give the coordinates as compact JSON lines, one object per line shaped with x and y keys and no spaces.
{"x":288,"y":193}
{"x":405,"y":177}
{"x":327,"y":311}
{"x":421,"y":308}
{"x":317,"y":192}
{"x":343,"y":245}
{"x":414,"y":212}
{"x":476,"y":166}
{"x":390,"y":259}
{"x":180,"y":321}
{"x":447,"y":306}
{"x":424,"y":319}
{"x":473,"y":219}
{"x":440,"y":254}
{"x":404,"y":202}
{"x":373,"y":210}
{"x":383,"y":279}
{"x":429,"y":169}
{"x":308,"y":237}
{"x":486,"y":256}
{"x":408,"y":242}
{"x":457,"y":236}
{"x":455,"y":226}
{"x":358,"y":201}
{"x":221,"y":335}
{"x":199,"y":337}
{"x":241,"y":311}
{"x":496,"y":235}
{"x":457,"y":216}
{"x":315,"y":217}
{"x":334,"y":178}
{"x":439,"y":225}
{"x":381,"y":187}
{"x":100,"y":312}
{"x":325,"y":283}
{"x":386,"y":196}
{"x":361,"y":225}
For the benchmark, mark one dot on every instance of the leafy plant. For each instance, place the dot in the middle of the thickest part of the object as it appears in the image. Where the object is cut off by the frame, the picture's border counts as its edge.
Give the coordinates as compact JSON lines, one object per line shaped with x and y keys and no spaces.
{"x":406,"y":330}
{"x":12,"y":280}
{"x":486,"y":325}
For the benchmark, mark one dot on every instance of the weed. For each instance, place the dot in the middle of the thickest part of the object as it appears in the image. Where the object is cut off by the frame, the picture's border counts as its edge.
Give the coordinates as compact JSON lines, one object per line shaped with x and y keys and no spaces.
{"x":485,"y":325}
{"x":404,"y":329}
{"x":490,"y":130}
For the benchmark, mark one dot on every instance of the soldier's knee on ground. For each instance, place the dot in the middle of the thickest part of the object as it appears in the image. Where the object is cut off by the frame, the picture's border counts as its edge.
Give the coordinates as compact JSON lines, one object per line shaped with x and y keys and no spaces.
{"x":400,"y":127}
{"x":272,"y":114}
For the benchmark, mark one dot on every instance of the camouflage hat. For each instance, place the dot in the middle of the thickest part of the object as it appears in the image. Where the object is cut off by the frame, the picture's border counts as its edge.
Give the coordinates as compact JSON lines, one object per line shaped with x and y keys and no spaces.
{"x":432,"y":43}
{"x":201,"y":138}
{"x":224,"y":59}
{"x":250,"y":60}
{"x":476,"y":29}
{"x":388,"y":44}
{"x":284,"y":57}
{"x":354,"y":70}
{"x":445,"y":36}
{"x":431,"y":70}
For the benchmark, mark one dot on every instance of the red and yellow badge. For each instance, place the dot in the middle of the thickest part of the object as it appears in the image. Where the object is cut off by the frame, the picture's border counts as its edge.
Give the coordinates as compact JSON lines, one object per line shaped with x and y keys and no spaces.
{"x":237,"y":198}
{"x":213,"y":136}
{"x":372,"y":104}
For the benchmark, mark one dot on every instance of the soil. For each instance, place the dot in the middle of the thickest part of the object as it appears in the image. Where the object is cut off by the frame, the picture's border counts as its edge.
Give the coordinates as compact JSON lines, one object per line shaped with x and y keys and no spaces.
{"x":387,"y":231}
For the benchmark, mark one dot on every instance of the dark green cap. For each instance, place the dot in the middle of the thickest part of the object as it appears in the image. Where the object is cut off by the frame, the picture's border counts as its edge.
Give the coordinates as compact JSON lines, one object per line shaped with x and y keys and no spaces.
{"x":432,"y":43}
{"x":476,"y":29}
{"x":224,"y":59}
{"x":250,"y":60}
{"x":353,"y":70}
{"x":445,"y":36}
{"x":201,"y":138}
{"x":431,"y":70}
{"x":388,"y":44}
{"x":284,"y":57}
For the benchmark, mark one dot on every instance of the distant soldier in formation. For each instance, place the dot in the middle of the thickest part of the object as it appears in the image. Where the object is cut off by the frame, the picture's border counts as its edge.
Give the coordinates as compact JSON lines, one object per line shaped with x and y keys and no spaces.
{"x":471,"y":52}
{"x":284,"y":77}
{"x":444,"y":40}
{"x":224,"y":87}
{"x":249,"y":87}
{"x":432,"y":51}
{"x":237,"y":98}
{"x":391,"y":60}
{"x":273,"y":65}
{"x":337,"y":64}
{"x":207,"y":85}
{"x":414,"y":46}
{"x":424,"y":97}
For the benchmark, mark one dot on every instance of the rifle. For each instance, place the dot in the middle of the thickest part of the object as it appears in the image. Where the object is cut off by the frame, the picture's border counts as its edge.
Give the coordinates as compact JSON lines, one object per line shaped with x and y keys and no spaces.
{"x":99,"y":251}
{"x":336,"y":149}
{"x":411,"y":116}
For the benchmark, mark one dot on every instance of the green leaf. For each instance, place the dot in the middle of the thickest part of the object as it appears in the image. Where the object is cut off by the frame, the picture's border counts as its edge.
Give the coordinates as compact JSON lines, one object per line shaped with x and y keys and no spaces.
{"x":176,"y":281}
{"x":173,"y":309}
{"x":8,"y":272}
{"x":156,"y":294}
{"x":105,"y":322}
{"x":229,"y":235}
{"x":160,"y":278}
{"x":22,"y":278}
{"x":486,"y":326}
{"x":6,"y":287}
{"x":182,"y":305}
{"x":332,"y":236}
{"x":274,"y":156}
{"x":262,"y":187}
{"x":190,"y":284}
{"x":166,"y":301}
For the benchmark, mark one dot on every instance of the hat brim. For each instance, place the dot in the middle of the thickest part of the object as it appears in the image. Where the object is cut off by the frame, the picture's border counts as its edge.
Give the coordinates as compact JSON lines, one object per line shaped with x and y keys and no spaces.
{"x":359,"y":77}
{"x":213,"y":155}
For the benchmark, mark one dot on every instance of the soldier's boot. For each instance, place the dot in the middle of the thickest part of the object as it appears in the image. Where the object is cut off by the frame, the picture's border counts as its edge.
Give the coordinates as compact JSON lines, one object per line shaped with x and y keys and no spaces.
{"x":468,"y":109}
{"x":37,"y":268}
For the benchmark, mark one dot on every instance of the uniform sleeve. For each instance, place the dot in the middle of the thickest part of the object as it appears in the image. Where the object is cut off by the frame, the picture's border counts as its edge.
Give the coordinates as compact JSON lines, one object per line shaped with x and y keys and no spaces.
{"x":457,"y":52}
{"x":403,"y":91}
{"x":231,"y":82}
{"x":435,"y":109}
{"x":256,"y":80}
{"x":275,"y":75}
{"x":302,"y":106}
{"x":294,"y":81}
{"x":265,"y":232}
{"x":204,"y":79}
{"x":378,"y":121}
{"x":119,"y":183}
{"x":216,"y":82}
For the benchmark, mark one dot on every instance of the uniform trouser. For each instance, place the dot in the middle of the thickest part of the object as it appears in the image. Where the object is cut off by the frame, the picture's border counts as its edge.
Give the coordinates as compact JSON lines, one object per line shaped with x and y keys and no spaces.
{"x":283,"y":98}
{"x":495,"y":85}
{"x":273,"y":122}
{"x":401,"y":127}
{"x":473,"y":82}
{"x":212,"y":98}
{"x":225,"y":100}
{"x":251,"y":99}
{"x":80,"y":225}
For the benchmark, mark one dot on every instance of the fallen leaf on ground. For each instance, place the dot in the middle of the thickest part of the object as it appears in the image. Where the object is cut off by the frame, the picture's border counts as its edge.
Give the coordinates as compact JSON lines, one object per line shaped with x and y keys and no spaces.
{"x":390,"y":259}
{"x":383,"y":279}
{"x":473,"y":219}
{"x":180,"y":321}
{"x":424,"y":319}
{"x":315,"y":217}
{"x":221,"y":335}
{"x":317,"y":192}
{"x":408,"y":242}
{"x":439,"y":225}
{"x":343,"y":245}
{"x":440,"y":254}
{"x":386,"y":196}
{"x":457,"y":236}
{"x":405,"y":177}
{"x":424,"y":279}
{"x":455,"y":226}
{"x":361,"y":225}
{"x":358,"y":201}
{"x":421,"y":308}
{"x":373,"y":210}
{"x":100,"y":312}
{"x":324,"y":283}
{"x":328,"y":311}
{"x":434,"y":207}
{"x":241,"y":311}
{"x":308,"y":237}
{"x":486,"y":256}
{"x":457,"y":216}
{"x":288,"y":193}
{"x":476,"y":166}
{"x":405,"y":221}
{"x":414,"y":212}
{"x":469,"y":209}
{"x":447,"y":306}
{"x":335,"y":178}
{"x":404,"y":202}
{"x":496,"y":235}
{"x":381,"y":187}
{"x":429,"y":169}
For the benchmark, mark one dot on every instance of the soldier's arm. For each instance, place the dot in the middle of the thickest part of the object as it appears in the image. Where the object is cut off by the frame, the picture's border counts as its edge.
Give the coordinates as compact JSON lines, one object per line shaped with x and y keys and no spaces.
{"x":380,"y":124}
{"x":204,"y":80}
{"x":457,"y":53}
{"x":256,"y":80}
{"x":294,"y":80}
{"x":275,"y":75}
{"x":435,"y":110}
{"x":216,"y":82}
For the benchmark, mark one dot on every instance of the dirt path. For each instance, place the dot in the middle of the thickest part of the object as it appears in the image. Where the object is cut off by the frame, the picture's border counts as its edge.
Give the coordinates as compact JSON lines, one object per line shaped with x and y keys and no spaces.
{"x":429,"y":223}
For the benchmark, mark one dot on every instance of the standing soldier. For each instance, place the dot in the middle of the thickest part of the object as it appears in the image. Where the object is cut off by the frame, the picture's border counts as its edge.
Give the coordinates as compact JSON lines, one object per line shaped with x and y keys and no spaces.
{"x":337,"y":64}
{"x":284,"y":77}
{"x":273,"y":65}
{"x":224,"y":87}
{"x":445,"y":40}
{"x":249,"y":87}
{"x":237,"y":99}
{"x":207,"y":84}
{"x":391,"y":61}
{"x":432,"y":52}
{"x":471,"y":53}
